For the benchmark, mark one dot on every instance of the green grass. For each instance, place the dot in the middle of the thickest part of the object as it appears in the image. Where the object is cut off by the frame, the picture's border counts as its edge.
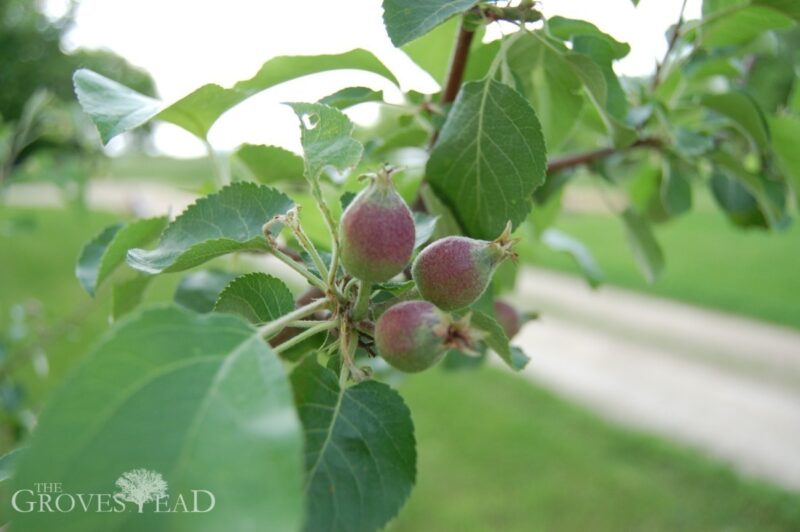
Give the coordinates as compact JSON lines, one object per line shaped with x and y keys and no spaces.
{"x":709,"y":262}
{"x":495,"y":452}
{"x":37,"y":262}
{"x":185,"y":173}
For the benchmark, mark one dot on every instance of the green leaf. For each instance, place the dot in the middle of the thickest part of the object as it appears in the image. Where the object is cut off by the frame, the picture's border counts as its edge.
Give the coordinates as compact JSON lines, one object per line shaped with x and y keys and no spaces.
{"x":350,"y":96}
{"x":405,"y":20}
{"x":116,"y":108}
{"x":593,"y":50}
{"x":200,"y":399}
{"x":269,"y":164}
{"x":785,"y":137}
{"x":447,"y":224}
{"x":595,"y":79}
{"x":497,"y":340}
{"x":101,"y":256}
{"x":571,"y":29}
{"x":257,"y":297}
{"x":360,"y":450}
{"x":199,"y":291}
{"x":736,"y":22}
{"x":790,"y":8}
{"x":326,"y":136}
{"x":691,"y":143}
{"x":551,"y":73}
{"x":551,"y":84}
{"x":489,"y":158}
{"x":432,"y":52}
{"x":768,"y":194}
{"x":128,"y":294}
{"x":198,"y":111}
{"x":646,"y":251}
{"x":676,"y":190}
{"x":215,"y":225}
{"x":557,"y":240}
{"x":736,"y":200}
{"x":743,"y":111}
{"x":425,"y":226}
{"x":602,"y":54}
{"x":770,"y":79}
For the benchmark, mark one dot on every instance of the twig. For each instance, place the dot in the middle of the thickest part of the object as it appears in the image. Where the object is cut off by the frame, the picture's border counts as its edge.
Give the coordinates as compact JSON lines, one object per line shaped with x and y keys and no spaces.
{"x":308,"y":333}
{"x":362,"y":301}
{"x":300,"y":313}
{"x":579,"y":159}
{"x":299,"y":268}
{"x":458,"y":64}
{"x":676,"y":33}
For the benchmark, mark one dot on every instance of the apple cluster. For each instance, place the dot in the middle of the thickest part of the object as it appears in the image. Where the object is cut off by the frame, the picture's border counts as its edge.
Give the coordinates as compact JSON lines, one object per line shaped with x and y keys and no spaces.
{"x":377,"y":237}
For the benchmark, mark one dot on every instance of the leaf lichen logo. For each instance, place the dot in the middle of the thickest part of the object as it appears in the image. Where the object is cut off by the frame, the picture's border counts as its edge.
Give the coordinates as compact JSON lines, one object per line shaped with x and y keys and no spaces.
{"x":140,"y":486}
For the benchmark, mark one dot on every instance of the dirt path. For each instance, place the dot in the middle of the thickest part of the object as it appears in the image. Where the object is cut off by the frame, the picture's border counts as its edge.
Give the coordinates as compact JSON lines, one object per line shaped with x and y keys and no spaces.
{"x":723,"y":384}
{"x":726,"y":385}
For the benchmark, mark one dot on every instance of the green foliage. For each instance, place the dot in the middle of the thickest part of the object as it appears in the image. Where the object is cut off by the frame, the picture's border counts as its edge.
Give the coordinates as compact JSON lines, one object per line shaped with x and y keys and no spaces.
{"x":269,"y":164}
{"x":406,"y":20}
{"x":360,"y":452}
{"x":325,"y":134}
{"x":257,"y":297}
{"x":646,"y":249}
{"x":785,"y":134}
{"x":128,"y":294}
{"x":743,"y":111}
{"x":496,"y":339}
{"x":560,"y":241}
{"x":116,"y":108}
{"x":102,"y":255}
{"x":121,"y":410}
{"x":489,"y":158}
{"x":228,"y":221}
{"x":351,"y":96}
{"x":199,"y":290}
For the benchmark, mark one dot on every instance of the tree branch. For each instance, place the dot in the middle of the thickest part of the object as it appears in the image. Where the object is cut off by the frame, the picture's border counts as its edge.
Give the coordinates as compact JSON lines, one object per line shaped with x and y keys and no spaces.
{"x":458,"y":64}
{"x":676,"y":33}
{"x":570,"y":161}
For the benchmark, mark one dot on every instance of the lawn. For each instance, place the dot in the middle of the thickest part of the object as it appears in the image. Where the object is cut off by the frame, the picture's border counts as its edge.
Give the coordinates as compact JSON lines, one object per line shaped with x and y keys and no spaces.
{"x":183,"y":173}
{"x":495,"y":452}
{"x":709,"y":262}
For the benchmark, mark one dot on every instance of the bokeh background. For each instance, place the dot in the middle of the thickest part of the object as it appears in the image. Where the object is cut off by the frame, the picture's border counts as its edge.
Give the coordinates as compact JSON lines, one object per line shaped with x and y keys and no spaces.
{"x":672,"y":406}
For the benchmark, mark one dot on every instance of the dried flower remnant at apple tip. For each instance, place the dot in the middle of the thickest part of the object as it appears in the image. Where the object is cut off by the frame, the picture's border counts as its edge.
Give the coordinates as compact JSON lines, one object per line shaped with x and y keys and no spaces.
{"x":414,"y":335}
{"x":377,"y":231}
{"x":453,"y":272}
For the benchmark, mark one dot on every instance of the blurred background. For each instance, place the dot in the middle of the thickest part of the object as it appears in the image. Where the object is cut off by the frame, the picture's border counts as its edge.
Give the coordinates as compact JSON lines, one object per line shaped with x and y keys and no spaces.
{"x":671,"y":406}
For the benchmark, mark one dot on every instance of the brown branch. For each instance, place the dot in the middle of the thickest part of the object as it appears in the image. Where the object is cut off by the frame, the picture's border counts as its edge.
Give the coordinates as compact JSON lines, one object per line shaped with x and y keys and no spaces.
{"x":676,"y":33}
{"x":458,"y":64}
{"x":571,"y":161}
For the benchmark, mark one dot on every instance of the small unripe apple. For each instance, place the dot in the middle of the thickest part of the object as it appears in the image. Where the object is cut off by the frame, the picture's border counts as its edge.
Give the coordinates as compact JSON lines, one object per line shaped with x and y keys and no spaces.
{"x":377,"y":232}
{"x":454,"y":271}
{"x":412,"y":336}
{"x":508,"y":317}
